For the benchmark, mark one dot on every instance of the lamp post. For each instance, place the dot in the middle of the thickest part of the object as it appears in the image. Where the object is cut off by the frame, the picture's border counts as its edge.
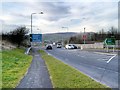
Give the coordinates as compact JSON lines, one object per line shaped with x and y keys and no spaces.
{"x":84,"y":35}
{"x":67,"y":32}
{"x":31,"y":24}
{"x":66,"y":28}
{"x":39,"y":30}
{"x":31,"y":19}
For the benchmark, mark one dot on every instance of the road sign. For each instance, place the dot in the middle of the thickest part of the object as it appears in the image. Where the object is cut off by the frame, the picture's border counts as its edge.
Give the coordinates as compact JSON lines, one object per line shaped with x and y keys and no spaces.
{"x":109,"y":41}
{"x":36,"y":37}
{"x":84,"y":37}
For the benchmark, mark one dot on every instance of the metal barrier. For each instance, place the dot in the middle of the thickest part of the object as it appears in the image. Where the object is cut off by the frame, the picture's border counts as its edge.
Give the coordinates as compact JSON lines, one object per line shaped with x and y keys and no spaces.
{"x":27,"y":51}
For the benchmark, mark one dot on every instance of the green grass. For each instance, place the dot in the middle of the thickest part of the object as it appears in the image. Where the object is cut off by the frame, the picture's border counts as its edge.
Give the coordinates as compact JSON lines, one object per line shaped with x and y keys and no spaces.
{"x":14,"y":66}
{"x":0,"y":70}
{"x":64,"y":76}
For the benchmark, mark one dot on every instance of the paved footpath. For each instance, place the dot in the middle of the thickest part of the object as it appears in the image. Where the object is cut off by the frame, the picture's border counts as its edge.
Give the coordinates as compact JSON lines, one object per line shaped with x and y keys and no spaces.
{"x":37,"y":75}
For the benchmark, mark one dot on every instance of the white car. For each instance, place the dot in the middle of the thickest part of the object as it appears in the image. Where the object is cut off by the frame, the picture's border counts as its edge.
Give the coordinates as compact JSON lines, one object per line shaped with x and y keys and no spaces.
{"x":69,"y":46}
{"x":54,"y":43}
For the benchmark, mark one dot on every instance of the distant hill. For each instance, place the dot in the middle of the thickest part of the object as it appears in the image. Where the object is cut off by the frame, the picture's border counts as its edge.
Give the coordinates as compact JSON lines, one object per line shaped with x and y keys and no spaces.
{"x":58,"y":36}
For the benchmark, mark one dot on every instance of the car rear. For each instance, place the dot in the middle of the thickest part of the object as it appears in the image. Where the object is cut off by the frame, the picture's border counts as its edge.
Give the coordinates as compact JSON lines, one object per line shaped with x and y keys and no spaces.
{"x":59,"y":45}
{"x":48,"y":47}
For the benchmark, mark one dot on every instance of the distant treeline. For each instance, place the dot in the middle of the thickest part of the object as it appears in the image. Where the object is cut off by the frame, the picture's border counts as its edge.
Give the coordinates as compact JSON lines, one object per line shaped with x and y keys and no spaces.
{"x":92,"y":37}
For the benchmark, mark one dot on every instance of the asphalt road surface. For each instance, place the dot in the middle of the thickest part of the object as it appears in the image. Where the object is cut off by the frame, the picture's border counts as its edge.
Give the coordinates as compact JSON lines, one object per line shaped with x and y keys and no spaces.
{"x":37,"y":75}
{"x":99,"y":66}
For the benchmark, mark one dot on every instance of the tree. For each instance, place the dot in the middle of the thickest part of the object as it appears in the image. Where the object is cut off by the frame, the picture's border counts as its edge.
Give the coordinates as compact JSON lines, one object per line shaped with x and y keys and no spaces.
{"x":113,"y":32}
{"x":18,"y":35}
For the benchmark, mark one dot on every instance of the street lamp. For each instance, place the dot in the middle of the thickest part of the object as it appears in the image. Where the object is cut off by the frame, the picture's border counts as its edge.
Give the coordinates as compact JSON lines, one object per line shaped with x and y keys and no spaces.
{"x":67,"y":32}
{"x":66,"y":28}
{"x":31,"y":19}
{"x":39,"y":30}
{"x":84,"y":35}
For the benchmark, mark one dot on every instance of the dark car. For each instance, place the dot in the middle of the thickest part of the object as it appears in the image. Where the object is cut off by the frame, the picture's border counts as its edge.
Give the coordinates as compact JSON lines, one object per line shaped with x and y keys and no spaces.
{"x":48,"y":47}
{"x":75,"y":47}
{"x":59,"y":45}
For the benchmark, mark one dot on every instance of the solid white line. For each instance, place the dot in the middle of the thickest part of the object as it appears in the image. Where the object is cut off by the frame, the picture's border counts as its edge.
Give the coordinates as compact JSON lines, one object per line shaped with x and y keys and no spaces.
{"x":111,"y":58}
{"x":103,"y":59}
{"x":49,"y":54}
{"x":104,"y":53}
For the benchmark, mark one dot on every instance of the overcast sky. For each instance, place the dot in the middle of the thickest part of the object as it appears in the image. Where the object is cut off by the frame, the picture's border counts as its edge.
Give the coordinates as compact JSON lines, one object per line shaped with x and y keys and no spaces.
{"x":74,"y":15}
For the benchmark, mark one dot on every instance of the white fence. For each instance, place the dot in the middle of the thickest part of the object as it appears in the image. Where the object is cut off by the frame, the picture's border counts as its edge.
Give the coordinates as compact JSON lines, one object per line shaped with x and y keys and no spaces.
{"x":85,"y":46}
{"x":96,"y":45}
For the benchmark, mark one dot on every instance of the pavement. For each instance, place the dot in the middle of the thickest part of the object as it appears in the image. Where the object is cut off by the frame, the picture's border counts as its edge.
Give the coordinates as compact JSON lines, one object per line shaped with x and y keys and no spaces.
{"x":37,"y":75}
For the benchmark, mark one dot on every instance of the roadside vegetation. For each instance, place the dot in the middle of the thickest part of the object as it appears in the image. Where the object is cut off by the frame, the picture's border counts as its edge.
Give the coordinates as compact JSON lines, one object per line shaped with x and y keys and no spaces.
{"x":14,"y":66}
{"x":17,"y":37}
{"x":64,"y":76}
{"x":0,"y":69}
{"x":92,"y":37}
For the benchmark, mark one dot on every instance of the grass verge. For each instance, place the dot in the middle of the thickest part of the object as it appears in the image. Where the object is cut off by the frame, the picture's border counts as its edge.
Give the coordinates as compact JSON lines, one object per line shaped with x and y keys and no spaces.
{"x":0,"y":69}
{"x":64,"y":76}
{"x":14,"y":66}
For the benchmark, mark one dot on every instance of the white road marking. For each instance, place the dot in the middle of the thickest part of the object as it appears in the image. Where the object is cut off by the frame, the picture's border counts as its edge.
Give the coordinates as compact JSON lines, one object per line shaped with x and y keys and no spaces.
{"x":103,"y":59}
{"x":104,"y":53}
{"x":111,"y":58}
{"x":49,"y":54}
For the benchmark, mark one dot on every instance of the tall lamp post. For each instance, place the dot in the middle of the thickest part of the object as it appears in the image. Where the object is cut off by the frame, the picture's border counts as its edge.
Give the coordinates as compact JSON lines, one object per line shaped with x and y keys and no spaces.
{"x":67,"y":32}
{"x":31,"y":23}
{"x":84,"y":35}
{"x":31,"y":19}
{"x":66,"y":28}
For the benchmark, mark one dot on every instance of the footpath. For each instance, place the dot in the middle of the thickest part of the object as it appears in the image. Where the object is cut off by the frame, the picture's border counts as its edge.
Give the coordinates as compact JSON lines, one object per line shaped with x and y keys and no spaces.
{"x":37,"y":75}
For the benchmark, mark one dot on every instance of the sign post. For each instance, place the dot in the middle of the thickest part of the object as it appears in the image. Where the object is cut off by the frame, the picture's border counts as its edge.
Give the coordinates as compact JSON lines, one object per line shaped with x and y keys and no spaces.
{"x":84,"y":38}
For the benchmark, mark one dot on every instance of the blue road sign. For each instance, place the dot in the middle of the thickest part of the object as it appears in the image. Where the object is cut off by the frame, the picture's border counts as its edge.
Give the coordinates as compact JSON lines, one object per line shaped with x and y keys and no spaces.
{"x":36,"y":37}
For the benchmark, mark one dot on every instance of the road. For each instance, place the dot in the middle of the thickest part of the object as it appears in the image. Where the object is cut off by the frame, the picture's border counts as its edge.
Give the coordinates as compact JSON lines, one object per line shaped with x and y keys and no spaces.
{"x":99,"y":66}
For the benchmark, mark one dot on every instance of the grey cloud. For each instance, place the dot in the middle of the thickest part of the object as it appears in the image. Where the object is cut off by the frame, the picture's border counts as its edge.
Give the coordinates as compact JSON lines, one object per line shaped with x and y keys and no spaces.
{"x":55,"y":10}
{"x":60,"y":12}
